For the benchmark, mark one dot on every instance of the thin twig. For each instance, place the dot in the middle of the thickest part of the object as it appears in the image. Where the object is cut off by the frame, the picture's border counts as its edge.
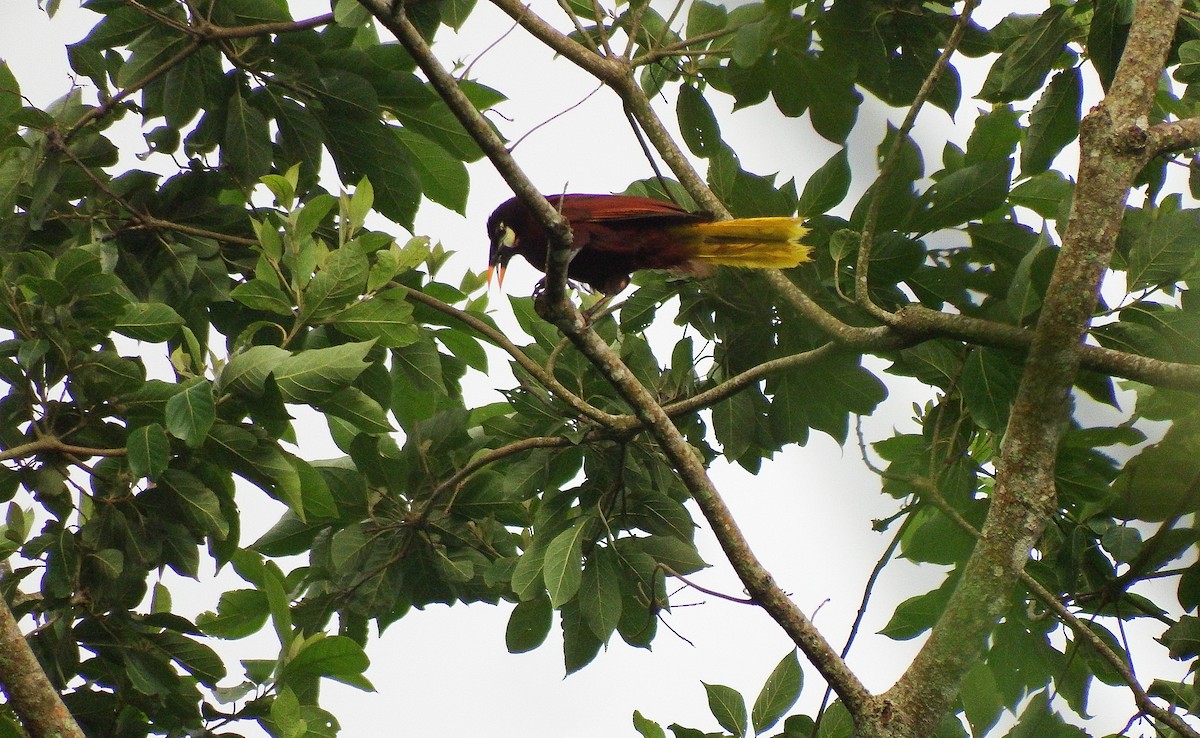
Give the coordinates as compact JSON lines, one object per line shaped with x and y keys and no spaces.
{"x":862,"y":291}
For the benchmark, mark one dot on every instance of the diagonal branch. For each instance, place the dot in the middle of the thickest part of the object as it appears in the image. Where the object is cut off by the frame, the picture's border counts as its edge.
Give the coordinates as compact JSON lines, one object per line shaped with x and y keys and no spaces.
{"x":754,"y":576}
{"x":31,"y":695}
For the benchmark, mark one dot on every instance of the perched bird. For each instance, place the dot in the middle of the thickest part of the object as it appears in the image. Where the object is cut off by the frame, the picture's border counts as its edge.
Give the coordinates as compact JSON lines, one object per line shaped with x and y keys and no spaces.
{"x":616,"y":235}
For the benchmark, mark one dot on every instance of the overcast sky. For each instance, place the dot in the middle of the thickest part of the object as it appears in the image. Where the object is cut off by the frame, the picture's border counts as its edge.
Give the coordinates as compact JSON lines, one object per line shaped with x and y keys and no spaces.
{"x":445,"y":672}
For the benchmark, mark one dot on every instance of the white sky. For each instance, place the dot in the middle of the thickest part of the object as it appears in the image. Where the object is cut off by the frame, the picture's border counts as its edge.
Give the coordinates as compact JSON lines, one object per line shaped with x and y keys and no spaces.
{"x":445,"y":671}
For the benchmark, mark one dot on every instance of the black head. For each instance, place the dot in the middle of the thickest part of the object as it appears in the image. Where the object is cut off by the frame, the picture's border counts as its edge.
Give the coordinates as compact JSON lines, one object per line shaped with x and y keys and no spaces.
{"x":504,"y":243}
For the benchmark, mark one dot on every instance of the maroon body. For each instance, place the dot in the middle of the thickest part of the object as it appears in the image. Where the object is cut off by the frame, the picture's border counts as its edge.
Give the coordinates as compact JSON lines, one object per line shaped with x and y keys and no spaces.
{"x":614,"y":235}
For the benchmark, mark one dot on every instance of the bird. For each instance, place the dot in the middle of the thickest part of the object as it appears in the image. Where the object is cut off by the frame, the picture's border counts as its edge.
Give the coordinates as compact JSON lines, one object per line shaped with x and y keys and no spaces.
{"x":616,"y":235}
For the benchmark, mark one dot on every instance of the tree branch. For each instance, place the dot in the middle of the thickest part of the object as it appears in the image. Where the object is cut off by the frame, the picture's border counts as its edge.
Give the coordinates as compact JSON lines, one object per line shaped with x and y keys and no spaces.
{"x":53,"y":445}
{"x":754,"y":576}
{"x":1024,"y":494}
{"x":30,"y":693}
{"x":862,"y":293}
{"x":1077,"y":626}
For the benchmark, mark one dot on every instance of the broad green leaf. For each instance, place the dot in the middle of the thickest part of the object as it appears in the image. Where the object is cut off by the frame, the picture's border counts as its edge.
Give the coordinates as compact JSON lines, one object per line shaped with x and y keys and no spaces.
{"x":982,"y":703}
{"x":444,"y":178}
{"x":367,"y":147}
{"x":778,"y":694}
{"x":246,"y":372}
{"x":149,"y":321}
{"x":385,"y":318}
{"x":1025,"y":292}
{"x":335,"y":657}
{"x":1164,"y":250}
{"x":199,"y":504}
{"x":1022,"y":67}
{"x":580,"y":645}
{"x":1048,"y":194}
{"x":728,"y":707}
{"x":191,"y":412}
{"x":1123,"y":542}
{"x":697,"y":123}
{"x":600,"y":593}
{"x":966,"y":194}
{"x":1054,"y":121}
{"x":527,"y":578}
{"x":529,"y":624}
{"x":1162,"y":481}
{"x":311,"y":375}
{"x":989,"y":386}
{"x":342,"y":278}
{"x":246,"y":147}
{"x":647,"y":728}
{"x":680,"y":556}
{"x":1106,"y":37}
{"x":149,"y":451}
{"x":917,"y":614}
{"x":240,"y":613}
{"x":995,"y":136}
{"x":563,"y":567}
{"x":826,"y":187}
{"x":354,"y":405}
{"x":262,"y":295}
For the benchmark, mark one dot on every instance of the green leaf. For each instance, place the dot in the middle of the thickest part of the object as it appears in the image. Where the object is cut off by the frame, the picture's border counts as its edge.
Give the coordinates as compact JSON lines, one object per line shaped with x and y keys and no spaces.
{"x":1025,"y":292}
{"x":200,"y":506}
{"x":385,"y":318}
{"x":778,"y":694}
{"x":982,"y":702}
{"x":311,"y":375}
{"x":563,"y":567}
{"x":336,"y":657}
{"x":529,"y":624}
{"x":149,"y":451}
{"x":359,"y":409}
{"x":965,"y":194}
{"x":246,"y":372}
{"x":443,"y":178}
{"x":697,"y":123}
{"x":341,"y":279}
{"x":149,"y":321}
{"x":600,"y":593}
{"x":240,"y":613}
{"x":1022,"y":67}
{"x":1164,"y":250}
{"x":989,"y":386}
{"x":260,"y":294}
{"x":995,"y":136}
{"x":916,"y":615}
{"x":1048,"y":194}
{"x":645,"y":727}
{"x":1054,"y":121}
{"x":367,"y":147}
{"x":682,"y":557}
{"x":728,"y":707}
{"x":826,"y":187}
{"x":246,"y":146}
{"x":1123,"y":542}
{"x":191,"y":412}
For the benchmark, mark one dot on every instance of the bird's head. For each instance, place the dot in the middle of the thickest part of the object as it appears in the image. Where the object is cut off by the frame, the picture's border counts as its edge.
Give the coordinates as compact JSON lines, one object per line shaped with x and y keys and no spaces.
{"x":503,"y":245}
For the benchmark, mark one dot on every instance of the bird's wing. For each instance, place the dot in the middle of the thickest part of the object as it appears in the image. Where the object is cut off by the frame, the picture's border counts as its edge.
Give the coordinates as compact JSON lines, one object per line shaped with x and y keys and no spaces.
{"x":624,"y":208}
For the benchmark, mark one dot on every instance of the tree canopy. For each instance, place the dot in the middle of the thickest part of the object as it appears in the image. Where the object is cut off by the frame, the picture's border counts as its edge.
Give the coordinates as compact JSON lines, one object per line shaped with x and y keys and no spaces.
{"x":161,"y":332}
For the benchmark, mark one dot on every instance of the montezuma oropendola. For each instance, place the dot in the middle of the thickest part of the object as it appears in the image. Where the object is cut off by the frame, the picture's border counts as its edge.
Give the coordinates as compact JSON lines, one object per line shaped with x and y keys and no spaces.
{"x":615,"y":235}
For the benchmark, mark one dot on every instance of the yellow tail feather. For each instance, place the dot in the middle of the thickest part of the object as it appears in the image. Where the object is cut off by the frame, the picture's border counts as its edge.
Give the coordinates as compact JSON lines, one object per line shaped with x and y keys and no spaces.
{"x":753,"y":243}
